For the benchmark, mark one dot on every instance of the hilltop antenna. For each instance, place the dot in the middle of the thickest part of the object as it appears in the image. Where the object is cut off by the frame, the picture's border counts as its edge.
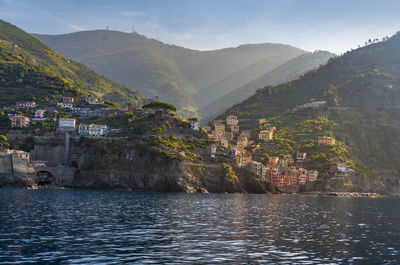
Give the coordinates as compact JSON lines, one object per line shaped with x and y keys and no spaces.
{"x":107,"y":28}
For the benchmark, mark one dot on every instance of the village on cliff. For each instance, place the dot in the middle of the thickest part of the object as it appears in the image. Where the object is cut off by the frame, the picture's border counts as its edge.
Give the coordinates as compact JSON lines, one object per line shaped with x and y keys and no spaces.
{"x":225,"y":136}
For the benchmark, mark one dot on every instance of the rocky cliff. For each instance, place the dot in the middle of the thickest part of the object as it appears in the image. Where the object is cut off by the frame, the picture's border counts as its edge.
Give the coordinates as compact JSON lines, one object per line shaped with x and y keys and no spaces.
{"x":150,"y":171}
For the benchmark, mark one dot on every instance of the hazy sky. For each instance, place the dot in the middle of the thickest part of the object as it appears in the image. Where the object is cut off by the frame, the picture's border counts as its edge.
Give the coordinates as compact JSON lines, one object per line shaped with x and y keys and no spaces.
{"x":333,"y":25}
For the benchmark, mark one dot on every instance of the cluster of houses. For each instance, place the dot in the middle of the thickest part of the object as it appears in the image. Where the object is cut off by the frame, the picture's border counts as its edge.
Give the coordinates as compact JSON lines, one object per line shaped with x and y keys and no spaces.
{"x":227,"y":134}
{"x":69,"y":125}
{"x":66,"y":103}
{"x":280,"y":171}
{"x":66,"y":124}
{"x":285,"y":172}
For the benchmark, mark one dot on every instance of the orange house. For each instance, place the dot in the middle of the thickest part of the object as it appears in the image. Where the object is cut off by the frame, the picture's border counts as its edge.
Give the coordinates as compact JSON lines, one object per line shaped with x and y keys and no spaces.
{"x":19,"y":121}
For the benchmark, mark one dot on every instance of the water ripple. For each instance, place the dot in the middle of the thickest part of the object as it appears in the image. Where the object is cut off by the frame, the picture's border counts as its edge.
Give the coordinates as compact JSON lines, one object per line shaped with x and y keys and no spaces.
{"x":113,"y":227}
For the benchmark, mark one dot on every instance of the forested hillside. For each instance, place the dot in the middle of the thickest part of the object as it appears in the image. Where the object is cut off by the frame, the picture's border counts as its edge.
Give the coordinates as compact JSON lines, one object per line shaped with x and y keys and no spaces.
{"x":362,"y":90}
{"x":23,"y":56}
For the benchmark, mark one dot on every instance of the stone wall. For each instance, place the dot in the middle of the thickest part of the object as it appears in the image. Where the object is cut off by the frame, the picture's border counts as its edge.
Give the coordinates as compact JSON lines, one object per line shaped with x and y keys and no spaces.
{"x":54,"y":155}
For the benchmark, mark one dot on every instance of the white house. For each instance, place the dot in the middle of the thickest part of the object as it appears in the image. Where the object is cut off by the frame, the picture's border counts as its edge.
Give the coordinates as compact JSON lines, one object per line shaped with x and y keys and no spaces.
{"x":66,"y":105}
{"x":341,"y":168}
{"x":213,"y":150}
{"x":194,"y":125}
{"x":93,"y":129}
{"x":39,"y":114}
{"x":26,"y":105}
{"x":315,"y":104}
{"x":67,"y":123}
{"x":259,"y":168}
{"x":232,"y":120}
{"x":98,"y":130}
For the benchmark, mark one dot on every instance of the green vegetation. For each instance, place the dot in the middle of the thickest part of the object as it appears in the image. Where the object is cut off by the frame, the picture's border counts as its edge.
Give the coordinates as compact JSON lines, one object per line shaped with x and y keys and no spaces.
{"x":3,"y":141}
{"x":34,"y":70}
{"x":175,"y":148}
{"x":230,"y":175}
{"x":298,"y":132}
{"x":194,"y":119}
{"x":160,"y":105}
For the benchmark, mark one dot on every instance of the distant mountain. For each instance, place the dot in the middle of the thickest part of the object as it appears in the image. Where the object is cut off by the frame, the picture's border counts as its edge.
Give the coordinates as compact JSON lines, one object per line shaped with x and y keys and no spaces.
{"x":185,"y":77}
{"x":29,"y":58}
{"x":286,"y":72}
{"x":362,"y":89}
{"x":277,"y":55}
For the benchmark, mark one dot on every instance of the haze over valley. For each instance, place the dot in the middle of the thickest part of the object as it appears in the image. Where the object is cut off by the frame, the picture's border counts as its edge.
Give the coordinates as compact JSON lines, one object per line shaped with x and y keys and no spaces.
{"x":190,"y":79}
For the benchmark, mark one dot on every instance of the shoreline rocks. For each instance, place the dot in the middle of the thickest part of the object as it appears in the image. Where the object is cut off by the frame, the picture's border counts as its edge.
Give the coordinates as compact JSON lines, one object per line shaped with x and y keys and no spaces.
{"x":343,"y":194}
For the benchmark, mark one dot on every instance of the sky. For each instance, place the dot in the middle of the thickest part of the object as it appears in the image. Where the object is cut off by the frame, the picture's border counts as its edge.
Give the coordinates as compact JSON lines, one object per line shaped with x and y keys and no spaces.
{"x":332,"y":25}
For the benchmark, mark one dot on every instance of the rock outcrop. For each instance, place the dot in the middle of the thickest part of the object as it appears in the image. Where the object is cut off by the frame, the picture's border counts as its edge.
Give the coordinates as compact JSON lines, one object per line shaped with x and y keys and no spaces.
{"x":173,"y":176}
{"x":16,"y":171}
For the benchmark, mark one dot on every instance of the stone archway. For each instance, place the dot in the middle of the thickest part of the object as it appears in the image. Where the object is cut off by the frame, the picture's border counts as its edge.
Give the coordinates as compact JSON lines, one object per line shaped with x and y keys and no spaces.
{"x":45,"y":177}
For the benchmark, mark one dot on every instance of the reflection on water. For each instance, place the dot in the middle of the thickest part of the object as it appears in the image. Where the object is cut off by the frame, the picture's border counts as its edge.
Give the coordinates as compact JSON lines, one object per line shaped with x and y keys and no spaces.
{"x":66,"y":226}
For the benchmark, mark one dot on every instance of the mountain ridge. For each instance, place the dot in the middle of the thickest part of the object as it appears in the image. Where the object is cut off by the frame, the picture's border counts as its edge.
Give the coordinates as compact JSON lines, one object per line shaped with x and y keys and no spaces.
{"x":174,"y":74}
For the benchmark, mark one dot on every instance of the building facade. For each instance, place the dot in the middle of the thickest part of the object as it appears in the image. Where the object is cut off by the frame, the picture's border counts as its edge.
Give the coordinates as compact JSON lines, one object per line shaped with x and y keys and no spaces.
{"x":93,"y":129}
{"x":67,"y":123}
{"x":68,"y":100}
{"x":220,"y":127}
{"x":25,"y":105}
{"x":235,"y":129}
{"x":326,"y":140}
{"x":19,"y":121}
{"x":39,"y":114}
{"x":266,"y":135}
{"x":194,"y":125}
{"x":242,"y":141}
{"x":243,"y":158}
{"x":232,"y":120}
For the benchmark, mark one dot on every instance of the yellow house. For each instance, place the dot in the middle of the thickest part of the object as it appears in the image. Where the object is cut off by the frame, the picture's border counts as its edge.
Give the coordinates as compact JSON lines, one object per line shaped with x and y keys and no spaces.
{"x":243,"y":158}
{"x":266,"y":135}
{"x":326,"y":140}
{"x":220,"y":127}
{"x":312,"y":175}
{"x":273,"y":160}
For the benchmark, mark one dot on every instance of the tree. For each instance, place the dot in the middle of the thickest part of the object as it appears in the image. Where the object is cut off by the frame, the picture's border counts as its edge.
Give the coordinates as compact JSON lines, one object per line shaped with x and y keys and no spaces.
{"x":160,"y":105}
{"x":194,"y":119}
{"x":3,"y":141}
